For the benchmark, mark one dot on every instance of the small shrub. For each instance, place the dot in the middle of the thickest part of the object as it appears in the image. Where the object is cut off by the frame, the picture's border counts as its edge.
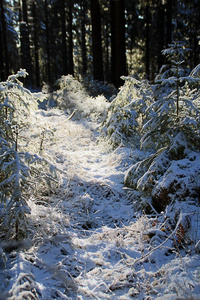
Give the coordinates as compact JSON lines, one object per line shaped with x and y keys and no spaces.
{"x":72,"y":95}
{"x":18,"y":167}
{"x":126,"y":111}
{"x":171,"y":127}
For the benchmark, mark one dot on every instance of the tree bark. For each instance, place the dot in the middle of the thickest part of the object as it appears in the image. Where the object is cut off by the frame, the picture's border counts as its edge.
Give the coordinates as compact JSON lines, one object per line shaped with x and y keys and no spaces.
{"x":71,"y":61}
{"x":4,"y":46}
{"x":36,"y":45}
{"x":107,"y":60}
{"x":161,"y":34}
{"x":2,"y":78}
{"x":113,"y":42}
{"x":118,"y":47}
{"x":96,"y":40}
{"x":25,"y":44}
{"x":147,"y":40}
{"x":47,"y":43}
{"x":64,"y":44}
{"x":83,"y":43}
{"x":169,"y":23}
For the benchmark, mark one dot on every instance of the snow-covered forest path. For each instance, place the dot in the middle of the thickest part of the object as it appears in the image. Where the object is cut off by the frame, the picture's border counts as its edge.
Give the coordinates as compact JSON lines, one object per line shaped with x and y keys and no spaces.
{"x":87,"y":240}
{"x":89,"y":202}
{"x":94,"y":174}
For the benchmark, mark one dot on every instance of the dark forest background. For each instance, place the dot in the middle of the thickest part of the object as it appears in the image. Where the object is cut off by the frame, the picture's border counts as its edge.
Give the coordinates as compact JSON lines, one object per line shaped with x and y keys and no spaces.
{"x":96,"y":39}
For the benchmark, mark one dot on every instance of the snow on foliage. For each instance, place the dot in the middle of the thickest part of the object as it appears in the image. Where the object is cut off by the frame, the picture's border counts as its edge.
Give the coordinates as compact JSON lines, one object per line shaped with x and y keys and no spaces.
{"x":17,"y":111}
{"x":87,"y":237}
{"x":72,"y":95}
{"x":24,"y":288}
{"x":195,"y":72}
{"x":125,"y":113}
{"x":171,"y":127}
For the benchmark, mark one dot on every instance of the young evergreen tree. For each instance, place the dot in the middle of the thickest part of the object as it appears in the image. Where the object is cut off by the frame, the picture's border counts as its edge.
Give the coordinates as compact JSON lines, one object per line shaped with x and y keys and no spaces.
{"x":171,"y":127}
{"x":18,"y":167}
{"x":125,"y":113}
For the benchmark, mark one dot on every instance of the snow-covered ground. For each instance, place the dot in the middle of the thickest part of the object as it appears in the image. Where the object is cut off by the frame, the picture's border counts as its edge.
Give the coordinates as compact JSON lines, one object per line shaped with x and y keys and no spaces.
{"x":88,"y":240}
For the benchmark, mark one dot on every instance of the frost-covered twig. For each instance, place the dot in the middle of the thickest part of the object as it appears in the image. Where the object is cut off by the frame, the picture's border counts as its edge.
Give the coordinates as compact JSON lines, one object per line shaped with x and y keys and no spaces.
{"x":71,"y":116}
{"x":155,"y":248}
{"x":100,"y":284}
{"x":24,"y":288}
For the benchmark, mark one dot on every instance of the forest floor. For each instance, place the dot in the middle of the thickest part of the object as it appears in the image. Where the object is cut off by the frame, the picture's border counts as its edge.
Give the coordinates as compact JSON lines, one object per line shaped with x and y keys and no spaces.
{"x":88,"y":241}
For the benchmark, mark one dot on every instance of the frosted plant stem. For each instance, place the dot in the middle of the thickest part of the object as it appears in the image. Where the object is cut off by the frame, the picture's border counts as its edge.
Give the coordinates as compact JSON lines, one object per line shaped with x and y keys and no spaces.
{"x":150,"y":252}
{"x":100,"y":284}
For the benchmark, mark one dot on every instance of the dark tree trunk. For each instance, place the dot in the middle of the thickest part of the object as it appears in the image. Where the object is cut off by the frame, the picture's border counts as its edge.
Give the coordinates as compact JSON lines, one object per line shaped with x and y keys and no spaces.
{"x":4,"y":46}
{"x":64,"y":44}
{"x":2,"y":77}
{"x":47,"y":43}
{"x":19,"y":10}
{"x":107,"y":60}
{"x":195,"y":52}
{"x":83,"y":43}
{"x":169,"y":22}
{"x":113,"y":42}
{"x":25,"y":44}
{"x":118,"y":47}
{"x":71,"y":62}
{"x":96,"y":40}
{"x":147,"y":40}
{"x":25,"y":52}
{"x":36,"y":45}
{"x":24,"y":11}
{"x":161,"y":34}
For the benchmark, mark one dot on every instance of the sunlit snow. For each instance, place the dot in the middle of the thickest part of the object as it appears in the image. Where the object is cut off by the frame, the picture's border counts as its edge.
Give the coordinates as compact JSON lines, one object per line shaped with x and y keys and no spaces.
{"x":88,"y":240}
